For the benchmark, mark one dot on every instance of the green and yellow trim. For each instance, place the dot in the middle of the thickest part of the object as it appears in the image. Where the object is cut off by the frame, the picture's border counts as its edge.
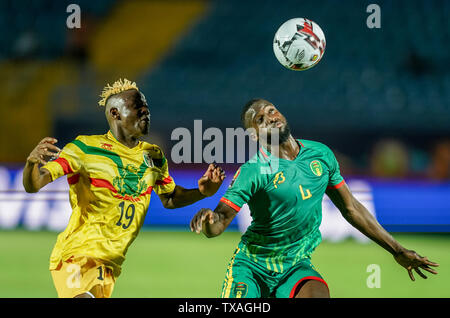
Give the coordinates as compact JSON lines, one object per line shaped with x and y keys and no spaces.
{"x":226,"y":290}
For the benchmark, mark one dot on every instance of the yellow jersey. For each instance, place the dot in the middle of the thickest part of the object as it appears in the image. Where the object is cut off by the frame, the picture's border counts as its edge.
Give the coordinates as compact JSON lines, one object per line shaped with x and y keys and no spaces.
{"x":109,"y":190}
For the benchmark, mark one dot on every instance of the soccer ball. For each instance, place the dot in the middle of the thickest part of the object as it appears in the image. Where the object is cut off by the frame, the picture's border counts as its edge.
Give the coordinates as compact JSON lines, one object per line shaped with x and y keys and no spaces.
{"x":299,"y":44}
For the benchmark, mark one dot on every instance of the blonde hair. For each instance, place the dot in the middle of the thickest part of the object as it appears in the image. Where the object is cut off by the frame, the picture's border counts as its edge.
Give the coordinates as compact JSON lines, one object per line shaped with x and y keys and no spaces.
{"x":117,"y":87}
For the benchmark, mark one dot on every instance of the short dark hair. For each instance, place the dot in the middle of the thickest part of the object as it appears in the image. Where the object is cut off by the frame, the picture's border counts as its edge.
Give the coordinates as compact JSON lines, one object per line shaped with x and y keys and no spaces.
{"x":246,"y":107}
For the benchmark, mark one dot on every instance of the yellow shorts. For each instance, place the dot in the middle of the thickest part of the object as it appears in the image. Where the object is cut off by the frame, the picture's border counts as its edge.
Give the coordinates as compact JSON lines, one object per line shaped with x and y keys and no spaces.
{"x":81,"y":274}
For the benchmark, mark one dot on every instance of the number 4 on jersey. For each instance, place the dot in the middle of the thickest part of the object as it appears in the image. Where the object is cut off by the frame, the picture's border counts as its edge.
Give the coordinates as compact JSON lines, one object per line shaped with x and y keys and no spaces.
{"x":307,"y":195}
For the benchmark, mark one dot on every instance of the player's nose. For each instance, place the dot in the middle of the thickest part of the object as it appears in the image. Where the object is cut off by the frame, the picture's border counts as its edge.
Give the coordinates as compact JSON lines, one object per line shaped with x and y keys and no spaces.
{"x":271,"y":120}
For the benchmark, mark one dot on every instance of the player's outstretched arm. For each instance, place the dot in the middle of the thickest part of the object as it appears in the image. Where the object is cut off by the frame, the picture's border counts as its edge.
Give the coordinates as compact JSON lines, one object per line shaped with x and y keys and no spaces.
{"x":213,"y":223}
{"x":34,"y":178}
{"x":358,"y":216}
{"x":208,"y":185}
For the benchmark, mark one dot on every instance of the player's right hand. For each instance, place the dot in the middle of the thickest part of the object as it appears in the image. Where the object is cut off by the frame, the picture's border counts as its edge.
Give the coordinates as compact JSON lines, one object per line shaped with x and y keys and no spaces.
{"x":44,"y":151}
{"x":201,"y":218}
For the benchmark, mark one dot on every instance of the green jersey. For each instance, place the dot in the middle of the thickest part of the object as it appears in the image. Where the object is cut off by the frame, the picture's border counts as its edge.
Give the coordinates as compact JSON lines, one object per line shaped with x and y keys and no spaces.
{"x":285,"y":201}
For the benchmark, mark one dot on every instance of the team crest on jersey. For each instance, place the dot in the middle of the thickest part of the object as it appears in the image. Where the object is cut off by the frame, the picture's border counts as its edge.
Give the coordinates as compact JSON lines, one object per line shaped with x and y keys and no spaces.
{"x":316,"y":167}
{"x":148,"y":160}
{"x":240,"y":290}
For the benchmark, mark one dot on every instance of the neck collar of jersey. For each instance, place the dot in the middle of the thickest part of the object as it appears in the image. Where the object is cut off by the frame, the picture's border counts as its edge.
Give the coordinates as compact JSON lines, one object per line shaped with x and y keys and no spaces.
{"x":266,"y":156}
{"x":111,"y":137}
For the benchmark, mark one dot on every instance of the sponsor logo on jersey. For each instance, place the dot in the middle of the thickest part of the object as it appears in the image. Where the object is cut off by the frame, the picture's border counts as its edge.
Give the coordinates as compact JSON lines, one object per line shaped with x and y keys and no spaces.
{"x":316,"y":167}
{"x":106,"y":146}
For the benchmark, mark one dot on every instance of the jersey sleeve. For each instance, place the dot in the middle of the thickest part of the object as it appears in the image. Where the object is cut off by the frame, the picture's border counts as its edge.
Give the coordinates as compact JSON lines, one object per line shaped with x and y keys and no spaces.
{"x":244,"y":185}
{"x":335,"y":180}
{"x":69,"y":161}
{"x":164,"y":182}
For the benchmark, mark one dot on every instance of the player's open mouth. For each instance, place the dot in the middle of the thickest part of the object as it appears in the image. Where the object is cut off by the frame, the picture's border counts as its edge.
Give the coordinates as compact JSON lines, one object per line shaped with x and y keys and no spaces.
{"x":278,"y":124}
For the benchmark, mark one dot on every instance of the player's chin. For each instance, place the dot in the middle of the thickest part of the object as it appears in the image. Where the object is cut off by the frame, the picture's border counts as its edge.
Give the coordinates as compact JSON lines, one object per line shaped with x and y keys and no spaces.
{"x":277,"y":135}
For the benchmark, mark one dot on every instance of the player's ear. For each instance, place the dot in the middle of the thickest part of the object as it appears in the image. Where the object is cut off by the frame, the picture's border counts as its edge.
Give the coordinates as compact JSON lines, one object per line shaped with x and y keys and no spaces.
{"x":114,"y":112}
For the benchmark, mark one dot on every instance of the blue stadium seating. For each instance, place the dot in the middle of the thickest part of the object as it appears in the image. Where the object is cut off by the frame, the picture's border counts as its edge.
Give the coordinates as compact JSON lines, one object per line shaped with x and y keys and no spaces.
{"x":390,"y":79}
{"x":393,"y":80}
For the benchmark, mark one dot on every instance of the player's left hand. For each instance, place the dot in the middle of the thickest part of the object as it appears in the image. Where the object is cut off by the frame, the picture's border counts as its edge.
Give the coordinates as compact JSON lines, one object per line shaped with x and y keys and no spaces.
{"x":211,"y":181}
{"x":413,"y":261}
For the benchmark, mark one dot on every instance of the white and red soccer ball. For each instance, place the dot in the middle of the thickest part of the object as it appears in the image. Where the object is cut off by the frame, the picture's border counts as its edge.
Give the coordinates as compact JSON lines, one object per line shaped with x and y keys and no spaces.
{"x":299,"y":44}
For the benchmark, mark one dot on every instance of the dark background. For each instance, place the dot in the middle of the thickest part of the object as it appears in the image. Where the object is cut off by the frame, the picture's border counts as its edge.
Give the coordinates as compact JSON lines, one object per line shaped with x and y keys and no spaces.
{"x":380,"y":98}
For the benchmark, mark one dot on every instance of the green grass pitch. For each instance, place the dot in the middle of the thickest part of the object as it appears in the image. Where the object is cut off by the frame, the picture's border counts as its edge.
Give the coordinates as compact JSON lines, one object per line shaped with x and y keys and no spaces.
{"x":176,"y":264}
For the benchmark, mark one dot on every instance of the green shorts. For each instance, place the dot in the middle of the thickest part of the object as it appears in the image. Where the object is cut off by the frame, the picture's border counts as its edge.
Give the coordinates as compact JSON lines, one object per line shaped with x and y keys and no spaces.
{"x":250,"y":278}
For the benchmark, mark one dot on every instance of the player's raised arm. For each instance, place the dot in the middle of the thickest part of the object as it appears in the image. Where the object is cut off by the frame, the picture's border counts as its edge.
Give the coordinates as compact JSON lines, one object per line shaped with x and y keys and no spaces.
{"x":208,"y":185}
{"x":358,"y":216}
{"x":34,"y":178}
{"x":213,"y":223}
